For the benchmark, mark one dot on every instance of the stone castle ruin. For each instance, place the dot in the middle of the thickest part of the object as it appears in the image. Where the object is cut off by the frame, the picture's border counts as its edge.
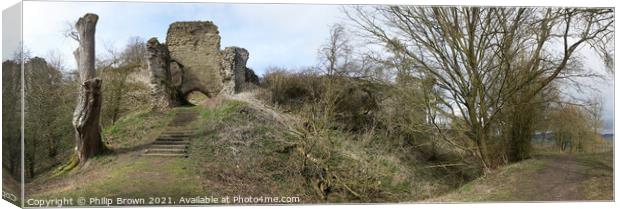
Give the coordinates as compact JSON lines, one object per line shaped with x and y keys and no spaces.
{"x":191,"y":60}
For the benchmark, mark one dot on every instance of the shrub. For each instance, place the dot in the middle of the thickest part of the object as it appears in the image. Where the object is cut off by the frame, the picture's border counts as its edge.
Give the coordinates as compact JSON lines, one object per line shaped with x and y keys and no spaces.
{"x":349,"y":103}
{"x":290,"y":89}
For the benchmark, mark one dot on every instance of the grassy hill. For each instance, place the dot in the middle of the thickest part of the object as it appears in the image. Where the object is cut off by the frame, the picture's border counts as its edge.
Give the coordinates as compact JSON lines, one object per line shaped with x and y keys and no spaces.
{"x":242,"y":148}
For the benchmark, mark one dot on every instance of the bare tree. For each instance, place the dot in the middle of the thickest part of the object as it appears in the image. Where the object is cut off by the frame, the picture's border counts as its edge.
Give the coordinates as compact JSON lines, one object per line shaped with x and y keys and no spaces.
{"x":335,"y":53}
{"x":56,"y":60}
{"x":135,"y":51}
{"x":480,"y":58}
{"x":575,"y":128}
{"x":87,"y":111}
{"x":116,"y":71}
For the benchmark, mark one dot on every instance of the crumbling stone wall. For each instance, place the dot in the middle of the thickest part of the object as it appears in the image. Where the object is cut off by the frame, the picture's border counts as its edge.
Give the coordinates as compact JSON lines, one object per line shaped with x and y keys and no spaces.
{"x":196,"y":47}
{"x":163,"y":91}
{"x":191,"y":60}
{"x":233,"y":69}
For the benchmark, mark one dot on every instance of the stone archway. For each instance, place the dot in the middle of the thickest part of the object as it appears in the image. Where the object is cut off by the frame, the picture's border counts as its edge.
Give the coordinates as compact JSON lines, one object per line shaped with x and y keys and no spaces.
{"x":195,"y":97}
{"x":191,"y":60}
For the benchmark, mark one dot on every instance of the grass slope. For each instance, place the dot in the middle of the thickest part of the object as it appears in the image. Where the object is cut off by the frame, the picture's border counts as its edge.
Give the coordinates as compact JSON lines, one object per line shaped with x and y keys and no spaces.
{"x":245,"y":150}
{"x":237,"y":152}
{"x":124,"y":173}
{"x":241,"y":151}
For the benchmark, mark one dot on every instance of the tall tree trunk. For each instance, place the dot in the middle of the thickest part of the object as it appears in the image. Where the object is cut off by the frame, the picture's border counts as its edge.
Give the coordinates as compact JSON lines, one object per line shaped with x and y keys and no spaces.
{"x":88,"y":109}
{"x":521,"y":132}
{"x":483,"y":150}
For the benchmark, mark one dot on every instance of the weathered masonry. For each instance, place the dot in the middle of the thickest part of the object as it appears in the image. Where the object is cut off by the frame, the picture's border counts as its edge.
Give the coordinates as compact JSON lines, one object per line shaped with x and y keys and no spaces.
{"x":191,"y":60}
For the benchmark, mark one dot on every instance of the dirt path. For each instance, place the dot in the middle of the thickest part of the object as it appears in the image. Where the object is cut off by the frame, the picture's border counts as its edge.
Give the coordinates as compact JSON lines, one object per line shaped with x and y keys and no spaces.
{"x":560,"y":179}
{"x":548,"y":177}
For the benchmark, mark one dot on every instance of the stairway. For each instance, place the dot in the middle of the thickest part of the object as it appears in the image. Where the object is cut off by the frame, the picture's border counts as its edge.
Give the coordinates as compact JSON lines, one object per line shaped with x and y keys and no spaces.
{"x":174,"y":141}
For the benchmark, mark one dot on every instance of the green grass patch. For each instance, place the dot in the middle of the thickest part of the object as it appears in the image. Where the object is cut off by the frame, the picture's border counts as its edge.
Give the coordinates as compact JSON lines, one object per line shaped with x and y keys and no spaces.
{"x":135,"y":129}
{"x":134,"y":177}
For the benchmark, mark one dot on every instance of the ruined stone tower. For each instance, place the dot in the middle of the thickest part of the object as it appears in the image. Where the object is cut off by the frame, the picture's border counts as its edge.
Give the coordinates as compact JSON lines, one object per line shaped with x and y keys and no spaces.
{"x":191,"y":60}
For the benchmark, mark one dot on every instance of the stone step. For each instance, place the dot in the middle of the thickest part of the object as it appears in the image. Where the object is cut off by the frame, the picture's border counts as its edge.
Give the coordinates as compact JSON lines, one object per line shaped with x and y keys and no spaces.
{"x":185,"y":111}
{"x":169,"y":139}
{"x":179,"y":122}
{"x":177,"y":136}
{"x":168,"y":133}
{"x":178,"y":125}
{"x":183,"y":118}
{"x":188,"y":119}
{"x":171,"y":142}
{"x":169,"y":146}
{"x":159,"y":139}
{"x":154,"y":150}
{"x":172,"y":138}
{"x":188,"y":132}
{"x":174,"y":141}
{"x":178,"y":130}
{"x":166,"y":155}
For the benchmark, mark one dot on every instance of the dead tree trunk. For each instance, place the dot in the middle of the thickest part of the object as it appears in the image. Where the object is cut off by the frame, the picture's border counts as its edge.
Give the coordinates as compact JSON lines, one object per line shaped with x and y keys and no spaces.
{"x":88,"y":109}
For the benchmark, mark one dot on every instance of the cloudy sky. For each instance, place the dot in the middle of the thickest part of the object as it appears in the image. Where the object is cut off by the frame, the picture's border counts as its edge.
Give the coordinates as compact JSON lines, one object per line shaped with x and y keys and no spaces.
{"x":274,"y":34}
{"x":283,"y":35}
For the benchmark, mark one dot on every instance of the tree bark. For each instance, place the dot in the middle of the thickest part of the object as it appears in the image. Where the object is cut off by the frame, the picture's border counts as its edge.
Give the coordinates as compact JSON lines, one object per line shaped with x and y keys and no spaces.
{"x":88,"y":109}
